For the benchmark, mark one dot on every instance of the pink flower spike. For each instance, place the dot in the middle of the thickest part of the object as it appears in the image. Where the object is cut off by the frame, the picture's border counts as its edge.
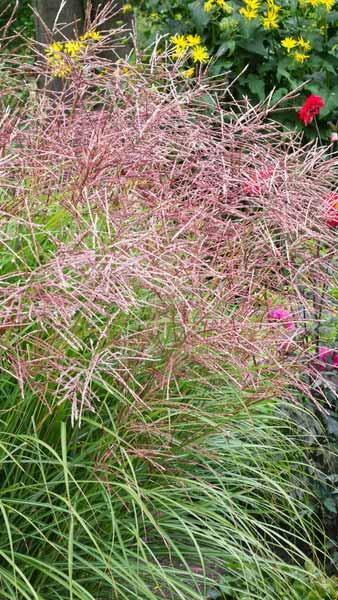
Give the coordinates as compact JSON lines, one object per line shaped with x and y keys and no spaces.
{"x":281,"y":314}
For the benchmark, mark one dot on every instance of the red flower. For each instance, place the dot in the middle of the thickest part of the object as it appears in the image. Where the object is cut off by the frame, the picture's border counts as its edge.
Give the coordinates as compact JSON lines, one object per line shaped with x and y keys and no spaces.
{"x":332,"y":210}
{"x":328,"y":358}
{"x":310,"y":109}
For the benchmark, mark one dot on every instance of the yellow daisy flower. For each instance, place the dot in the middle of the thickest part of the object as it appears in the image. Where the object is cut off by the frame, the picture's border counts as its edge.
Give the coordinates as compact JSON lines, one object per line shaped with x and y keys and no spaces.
{"x":193,"y":40}
{"x":54,"y":48}
{"x":179,"y":52}
{"x":179,"y":41}
{"x":300,"y":57}
{"x":289,"y":43}
{"x":252,"y":4}
{"x":58,"y":66}
{"x":270,"y":19}
{"x":200,"y":54}
{"x":270,"y":22}
{"x":73,"y":48}
{"x":303,"y":44}
{"x":249,"y":13}
{"x":91,"y":35}
{"x":329,"y":4}
{"x":61,"y":70}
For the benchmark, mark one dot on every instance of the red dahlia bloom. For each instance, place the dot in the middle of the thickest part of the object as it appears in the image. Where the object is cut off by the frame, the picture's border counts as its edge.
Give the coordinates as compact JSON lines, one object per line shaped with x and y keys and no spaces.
{"x":310,"y":109}
{"x":331,"y":203}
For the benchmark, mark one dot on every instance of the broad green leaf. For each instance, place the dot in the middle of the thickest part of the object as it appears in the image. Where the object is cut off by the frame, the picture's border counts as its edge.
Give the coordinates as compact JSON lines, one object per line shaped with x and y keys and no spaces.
{"x":278,"y":94}
{"x":228,"y":46}
{"x":256,"y":86}
{"x":198,"y":15}
{"x":254,"y":46}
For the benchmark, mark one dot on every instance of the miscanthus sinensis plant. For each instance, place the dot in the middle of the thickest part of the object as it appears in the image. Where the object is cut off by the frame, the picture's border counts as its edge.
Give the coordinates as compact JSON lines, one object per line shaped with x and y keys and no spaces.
{"x":167,"y":262}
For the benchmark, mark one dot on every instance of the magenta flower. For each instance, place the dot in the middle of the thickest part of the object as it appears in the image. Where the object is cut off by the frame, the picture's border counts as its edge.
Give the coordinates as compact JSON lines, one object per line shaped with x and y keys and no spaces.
{"x":281,"y":314}
{"x":328,"y":358}
{"x":323,"y":353}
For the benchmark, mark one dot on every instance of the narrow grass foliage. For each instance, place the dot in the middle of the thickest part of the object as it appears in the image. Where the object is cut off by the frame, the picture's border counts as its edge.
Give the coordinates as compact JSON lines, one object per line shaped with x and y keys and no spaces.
{"x":88,"y":515}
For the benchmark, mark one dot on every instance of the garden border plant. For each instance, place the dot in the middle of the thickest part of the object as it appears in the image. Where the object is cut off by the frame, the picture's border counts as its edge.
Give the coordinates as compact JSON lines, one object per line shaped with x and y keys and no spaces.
{"x":277,"y":47}
{"x":159,"y":268}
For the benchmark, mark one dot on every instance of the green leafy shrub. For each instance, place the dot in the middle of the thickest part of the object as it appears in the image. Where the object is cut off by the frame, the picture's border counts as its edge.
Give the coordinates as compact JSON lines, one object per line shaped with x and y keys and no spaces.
{"x":23,"y":21}
{"x":275,"y":46}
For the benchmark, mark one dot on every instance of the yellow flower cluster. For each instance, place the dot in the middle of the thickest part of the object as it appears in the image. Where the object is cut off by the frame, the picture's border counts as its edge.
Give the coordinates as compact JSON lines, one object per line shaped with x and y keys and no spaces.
{"x":270,"y":20}
{"x":251,"y":9}
{"x":54,"y":48}
{"x":298,"y":44}
{"x":73,"y":48}
{"x":56,"y":60}
{"x":58,"y":53}
{"x":184,"y":43}
{"x":300,"y":57}
{"x":211,"y":5}
{"x":328,"y":4}
{"x":91,"y":35}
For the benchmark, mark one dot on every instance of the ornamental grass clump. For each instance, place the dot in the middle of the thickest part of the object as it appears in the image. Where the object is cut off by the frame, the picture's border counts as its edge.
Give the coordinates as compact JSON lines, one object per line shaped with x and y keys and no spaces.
{"x":132,"y":196}
{"x":151,"y":240}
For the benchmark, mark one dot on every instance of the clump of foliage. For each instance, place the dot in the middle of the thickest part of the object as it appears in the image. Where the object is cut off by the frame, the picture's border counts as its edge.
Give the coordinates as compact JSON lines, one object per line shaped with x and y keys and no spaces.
{"x":23,"y":21}
{"x":161,"y":257}
{"x":133,"y":504}
{"x":276,"y":45}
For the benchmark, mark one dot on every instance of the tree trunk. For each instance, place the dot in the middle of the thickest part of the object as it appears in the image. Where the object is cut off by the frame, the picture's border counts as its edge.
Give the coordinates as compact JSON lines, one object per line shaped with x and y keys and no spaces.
{"x":70,"y":19}
{"x":114,"y":22}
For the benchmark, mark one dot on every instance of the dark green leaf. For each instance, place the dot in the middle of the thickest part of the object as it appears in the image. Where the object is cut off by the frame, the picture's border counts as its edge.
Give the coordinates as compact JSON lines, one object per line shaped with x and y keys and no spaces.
{"x":228,"y":46}
{"x":198,"y":15}
{"x":256,"y":86}
{"x":330,"y":504}
{"x":254,"y":46}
